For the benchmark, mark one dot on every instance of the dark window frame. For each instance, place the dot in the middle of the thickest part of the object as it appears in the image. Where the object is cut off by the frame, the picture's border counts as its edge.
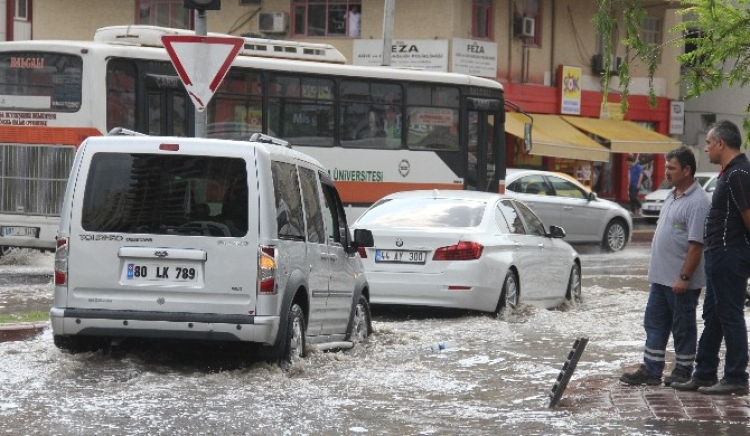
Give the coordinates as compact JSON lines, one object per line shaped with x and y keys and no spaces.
{"x":334,"y":20}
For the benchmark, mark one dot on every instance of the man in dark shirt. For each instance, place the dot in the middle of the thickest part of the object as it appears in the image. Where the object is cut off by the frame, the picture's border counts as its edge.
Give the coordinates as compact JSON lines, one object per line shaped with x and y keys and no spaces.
{"x":727,"y":265}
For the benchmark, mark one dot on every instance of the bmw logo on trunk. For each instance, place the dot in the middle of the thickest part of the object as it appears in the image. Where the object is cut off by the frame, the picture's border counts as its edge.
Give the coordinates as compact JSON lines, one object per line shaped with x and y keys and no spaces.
{"x":399,"y":242}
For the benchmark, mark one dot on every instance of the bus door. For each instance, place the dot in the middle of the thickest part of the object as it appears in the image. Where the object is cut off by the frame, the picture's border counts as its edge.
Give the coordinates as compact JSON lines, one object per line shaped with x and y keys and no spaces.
{"x":168,"y":108}
{"x":484,"y":151}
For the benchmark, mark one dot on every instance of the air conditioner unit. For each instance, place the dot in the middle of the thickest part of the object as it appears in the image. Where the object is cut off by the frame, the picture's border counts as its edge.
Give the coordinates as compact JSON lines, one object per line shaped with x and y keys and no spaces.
{"x":273,"y":22}
{"x":528,"y":27}
{"x":524,"y":27}
{"x":597,"y":64}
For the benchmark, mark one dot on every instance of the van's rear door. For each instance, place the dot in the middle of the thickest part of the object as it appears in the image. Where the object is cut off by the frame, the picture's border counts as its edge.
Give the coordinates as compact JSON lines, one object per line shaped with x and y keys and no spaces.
{"x":164,"y":228}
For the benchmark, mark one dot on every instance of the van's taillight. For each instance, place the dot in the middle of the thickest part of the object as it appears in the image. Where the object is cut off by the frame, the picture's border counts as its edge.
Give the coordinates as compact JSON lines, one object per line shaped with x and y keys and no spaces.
{"x":362,"y":252}
{"x":169,"y":147}
{"x":267,"y":269}
{"x":462,"y":251}
{"x":61,"y":262}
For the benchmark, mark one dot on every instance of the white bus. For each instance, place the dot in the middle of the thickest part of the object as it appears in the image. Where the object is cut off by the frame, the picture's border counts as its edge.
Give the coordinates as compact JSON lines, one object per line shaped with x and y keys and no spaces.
{"x":378,"y":130}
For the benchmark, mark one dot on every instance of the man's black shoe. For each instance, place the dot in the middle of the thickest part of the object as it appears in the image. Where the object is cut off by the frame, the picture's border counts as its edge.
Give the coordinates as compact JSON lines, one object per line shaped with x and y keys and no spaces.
{"x":693,"y":384}
{"x":640,"y":377}
{"x":725,"y":388}
{"x":676,"y":376}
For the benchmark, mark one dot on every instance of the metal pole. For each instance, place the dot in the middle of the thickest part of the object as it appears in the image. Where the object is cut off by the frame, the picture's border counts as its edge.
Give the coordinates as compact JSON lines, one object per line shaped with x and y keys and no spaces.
{"x":200,"y":117}
{"x":388,"y":32}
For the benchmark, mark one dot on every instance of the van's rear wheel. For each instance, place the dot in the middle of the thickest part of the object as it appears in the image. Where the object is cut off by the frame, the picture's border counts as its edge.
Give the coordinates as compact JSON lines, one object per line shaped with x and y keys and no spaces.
{"x":294,"y":340}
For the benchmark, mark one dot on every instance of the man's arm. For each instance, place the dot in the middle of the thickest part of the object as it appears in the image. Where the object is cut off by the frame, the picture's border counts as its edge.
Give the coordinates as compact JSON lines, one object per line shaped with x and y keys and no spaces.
{"x":692,"y":260}
{"x":746,"y":218}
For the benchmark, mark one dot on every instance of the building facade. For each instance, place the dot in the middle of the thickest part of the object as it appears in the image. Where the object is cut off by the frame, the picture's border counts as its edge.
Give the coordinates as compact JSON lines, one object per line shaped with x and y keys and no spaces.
{"x":546,"y":53}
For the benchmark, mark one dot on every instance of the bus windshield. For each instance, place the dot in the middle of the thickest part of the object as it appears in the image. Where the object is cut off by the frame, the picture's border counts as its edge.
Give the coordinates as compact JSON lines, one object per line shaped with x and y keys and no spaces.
{"x":40,"y":81}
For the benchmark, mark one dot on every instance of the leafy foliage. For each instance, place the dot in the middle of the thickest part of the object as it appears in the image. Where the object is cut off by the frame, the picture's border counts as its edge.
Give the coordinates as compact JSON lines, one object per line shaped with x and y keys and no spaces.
{"x":716,"y":31}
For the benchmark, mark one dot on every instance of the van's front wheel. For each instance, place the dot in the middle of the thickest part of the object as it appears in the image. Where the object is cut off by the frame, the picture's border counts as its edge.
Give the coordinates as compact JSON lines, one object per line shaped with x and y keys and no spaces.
{"x":360,"y":325}
{"x":294,"y":340}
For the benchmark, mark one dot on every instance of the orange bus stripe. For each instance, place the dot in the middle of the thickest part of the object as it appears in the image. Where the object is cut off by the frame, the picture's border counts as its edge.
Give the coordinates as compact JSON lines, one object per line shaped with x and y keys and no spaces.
{"x":369,"y":192}
{"x":47,"y":135}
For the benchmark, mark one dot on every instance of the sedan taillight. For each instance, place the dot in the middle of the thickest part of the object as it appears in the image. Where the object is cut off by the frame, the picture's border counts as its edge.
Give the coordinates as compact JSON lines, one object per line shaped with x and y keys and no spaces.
{"x":462,"y":251}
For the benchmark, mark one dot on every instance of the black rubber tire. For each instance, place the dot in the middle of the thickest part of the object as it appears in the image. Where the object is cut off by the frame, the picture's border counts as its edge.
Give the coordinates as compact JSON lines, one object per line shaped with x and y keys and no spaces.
{"x":573,"y":293}
{"x":615,"y":235}
{"x":360,"y":324}
{"x":295,"y":344}
{"x":509,"y":296}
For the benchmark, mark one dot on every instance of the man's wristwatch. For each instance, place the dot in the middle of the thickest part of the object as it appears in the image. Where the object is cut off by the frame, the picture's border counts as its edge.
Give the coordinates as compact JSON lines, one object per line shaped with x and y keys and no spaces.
{"x":685,"y":277}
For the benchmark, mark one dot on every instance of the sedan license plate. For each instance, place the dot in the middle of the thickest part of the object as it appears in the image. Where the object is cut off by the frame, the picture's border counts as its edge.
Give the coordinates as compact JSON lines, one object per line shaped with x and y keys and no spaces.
{"x":19,"y":231}
{"x":161,"y":273}
{"x":400,"y":256}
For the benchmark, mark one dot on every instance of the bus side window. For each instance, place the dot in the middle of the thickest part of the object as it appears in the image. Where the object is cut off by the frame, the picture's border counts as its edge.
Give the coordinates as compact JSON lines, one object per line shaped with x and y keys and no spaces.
{"x":121,"y":95}
{"x":432,"y":118}
{"x":371,"y":115}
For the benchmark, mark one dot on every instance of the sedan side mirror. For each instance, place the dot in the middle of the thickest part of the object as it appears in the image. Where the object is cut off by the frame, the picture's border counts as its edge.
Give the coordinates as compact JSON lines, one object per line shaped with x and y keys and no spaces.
{"x":556,"y":232}
{"x":592,"y":196}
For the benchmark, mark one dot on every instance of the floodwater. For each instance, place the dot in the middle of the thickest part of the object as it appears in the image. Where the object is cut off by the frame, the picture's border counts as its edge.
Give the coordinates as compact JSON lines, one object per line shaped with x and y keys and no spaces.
{"x":493,"y":378}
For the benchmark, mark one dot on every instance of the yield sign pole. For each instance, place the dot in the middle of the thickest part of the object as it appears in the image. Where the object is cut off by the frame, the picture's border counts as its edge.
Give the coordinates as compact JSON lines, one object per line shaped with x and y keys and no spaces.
{"x":201,"y":62}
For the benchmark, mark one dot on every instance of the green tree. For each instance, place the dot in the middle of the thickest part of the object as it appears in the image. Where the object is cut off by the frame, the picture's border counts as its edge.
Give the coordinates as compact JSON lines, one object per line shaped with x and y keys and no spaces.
{"x":717,"y":31}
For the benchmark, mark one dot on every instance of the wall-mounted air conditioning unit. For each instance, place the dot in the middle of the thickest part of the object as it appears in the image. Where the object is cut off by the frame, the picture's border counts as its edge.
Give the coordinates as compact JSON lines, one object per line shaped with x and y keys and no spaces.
{"x":597,"y":64}
{"x":528,"y":27}
{"x":273,"y":22}
{"x":524,"y":27}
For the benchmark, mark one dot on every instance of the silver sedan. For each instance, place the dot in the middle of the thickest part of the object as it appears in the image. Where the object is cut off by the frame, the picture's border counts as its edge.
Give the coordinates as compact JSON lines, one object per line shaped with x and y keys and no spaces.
{"x":467,"y":250}
{"x":560,"y":200}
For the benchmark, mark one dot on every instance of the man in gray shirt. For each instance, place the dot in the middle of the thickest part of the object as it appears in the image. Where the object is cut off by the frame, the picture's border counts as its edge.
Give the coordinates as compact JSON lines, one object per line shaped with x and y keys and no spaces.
{"x":675,"y":275}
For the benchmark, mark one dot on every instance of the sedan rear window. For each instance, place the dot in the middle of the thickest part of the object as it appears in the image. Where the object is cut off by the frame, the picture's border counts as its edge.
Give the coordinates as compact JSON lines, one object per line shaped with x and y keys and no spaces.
{"x":423,"y":212}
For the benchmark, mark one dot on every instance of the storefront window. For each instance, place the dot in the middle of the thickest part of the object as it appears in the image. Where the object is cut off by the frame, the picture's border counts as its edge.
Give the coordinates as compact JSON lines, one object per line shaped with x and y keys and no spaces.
{"x":165,"y":13}
{"x":327,"y":17}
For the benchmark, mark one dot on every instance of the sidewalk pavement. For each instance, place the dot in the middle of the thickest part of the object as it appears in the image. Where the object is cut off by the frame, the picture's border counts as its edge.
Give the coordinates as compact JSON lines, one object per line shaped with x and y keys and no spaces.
{"x":608,"y":394}
{"x":21,"y":331}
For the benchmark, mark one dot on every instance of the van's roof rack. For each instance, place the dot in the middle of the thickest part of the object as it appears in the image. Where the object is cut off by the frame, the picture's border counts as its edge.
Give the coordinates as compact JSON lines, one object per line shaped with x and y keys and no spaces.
{"x":259,"y":137}
{"x":124,"y":132}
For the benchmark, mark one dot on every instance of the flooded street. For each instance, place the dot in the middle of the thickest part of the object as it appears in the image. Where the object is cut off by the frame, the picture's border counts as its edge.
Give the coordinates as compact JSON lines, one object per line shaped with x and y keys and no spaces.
{"x":494,"y":377}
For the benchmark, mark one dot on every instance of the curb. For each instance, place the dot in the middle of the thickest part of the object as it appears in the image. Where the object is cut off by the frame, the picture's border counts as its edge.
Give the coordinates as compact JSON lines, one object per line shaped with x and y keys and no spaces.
{"x":642,"y":236}
{"x":21,"y":331}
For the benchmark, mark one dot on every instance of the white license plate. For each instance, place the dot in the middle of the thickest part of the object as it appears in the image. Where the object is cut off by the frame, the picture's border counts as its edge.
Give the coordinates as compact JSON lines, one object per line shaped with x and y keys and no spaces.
{"x":166,"y":273}
{"x":19,"y":231}
{"x":400,"y":256}
{"x":651,"y":207}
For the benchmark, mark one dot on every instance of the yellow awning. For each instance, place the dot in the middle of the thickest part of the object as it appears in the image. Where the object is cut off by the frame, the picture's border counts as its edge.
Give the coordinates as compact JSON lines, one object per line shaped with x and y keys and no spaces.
{"x":552,"y":136}
{"x":625,"y":136}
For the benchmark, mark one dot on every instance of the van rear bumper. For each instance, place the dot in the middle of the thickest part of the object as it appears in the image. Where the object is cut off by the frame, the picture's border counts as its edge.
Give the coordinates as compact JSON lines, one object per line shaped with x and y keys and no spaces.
{"x":167,"y":325}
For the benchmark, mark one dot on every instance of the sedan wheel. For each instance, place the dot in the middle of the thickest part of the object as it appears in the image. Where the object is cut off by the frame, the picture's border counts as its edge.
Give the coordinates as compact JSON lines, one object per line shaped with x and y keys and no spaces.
{"x":615,"y":236}
{"x":509,"y":295}
{"x":361,"y":321}
{"x":574,"y":285}
{"x":294,"y":346}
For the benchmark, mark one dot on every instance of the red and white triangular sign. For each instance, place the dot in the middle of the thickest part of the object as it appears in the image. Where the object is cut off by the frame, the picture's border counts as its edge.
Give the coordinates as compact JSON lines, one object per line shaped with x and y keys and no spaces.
{"x":202,"y":62}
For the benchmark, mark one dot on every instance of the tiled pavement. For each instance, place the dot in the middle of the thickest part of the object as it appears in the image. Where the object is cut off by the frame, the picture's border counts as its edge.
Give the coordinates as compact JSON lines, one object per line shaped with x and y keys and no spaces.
{"x":612,"y":396}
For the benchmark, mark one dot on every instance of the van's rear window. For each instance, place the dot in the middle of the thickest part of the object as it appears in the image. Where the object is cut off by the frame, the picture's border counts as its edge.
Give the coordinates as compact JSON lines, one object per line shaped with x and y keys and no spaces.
{"x":166,"y":194}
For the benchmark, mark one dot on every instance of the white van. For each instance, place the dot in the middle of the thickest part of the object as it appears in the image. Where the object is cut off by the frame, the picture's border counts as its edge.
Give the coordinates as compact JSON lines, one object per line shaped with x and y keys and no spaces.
{"x":191,"y":238}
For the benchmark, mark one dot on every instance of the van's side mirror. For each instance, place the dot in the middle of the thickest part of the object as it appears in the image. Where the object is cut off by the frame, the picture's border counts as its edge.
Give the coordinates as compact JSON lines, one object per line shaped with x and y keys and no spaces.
{"x":363,"y":238}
